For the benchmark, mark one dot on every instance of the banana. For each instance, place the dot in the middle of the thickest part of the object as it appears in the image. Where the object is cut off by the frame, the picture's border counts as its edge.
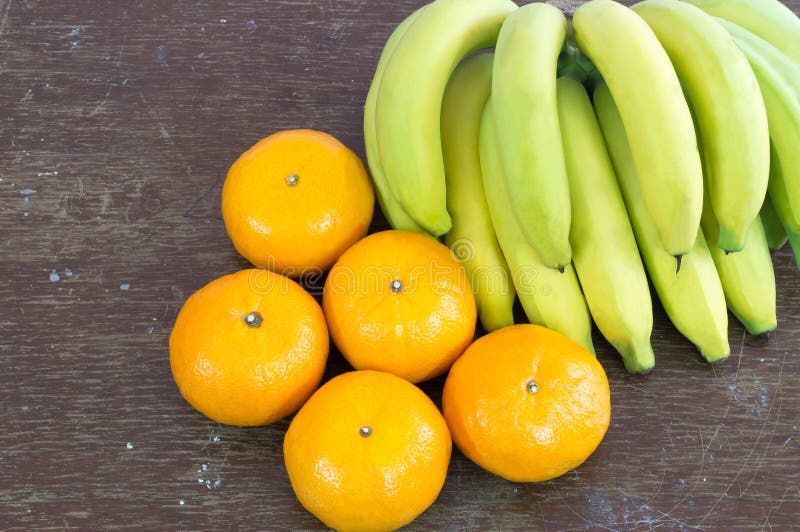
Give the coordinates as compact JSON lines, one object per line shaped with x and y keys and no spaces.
{"x":397,"y":217}
{"x":694,"y":299}
{"x":655,"y":113}
{"x":603,"y":246}
{"x":549,"y":298}
{"x":747,"y":277}
{"x":732,"y":122}
{"x":409,"y":101}
{"x":472,"y":238}
{"x":769,"y":19}
{"x":773,"y":227}
{"x":779,"y":80}
{"x":526,"y":121}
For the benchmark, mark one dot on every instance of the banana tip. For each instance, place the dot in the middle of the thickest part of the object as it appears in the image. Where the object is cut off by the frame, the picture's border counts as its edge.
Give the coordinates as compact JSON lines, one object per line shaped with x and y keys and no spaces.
{"x":714,"y":358}
{"x":757,"y":340}
{"x":679,"y":259}
{"x":641,"y":372}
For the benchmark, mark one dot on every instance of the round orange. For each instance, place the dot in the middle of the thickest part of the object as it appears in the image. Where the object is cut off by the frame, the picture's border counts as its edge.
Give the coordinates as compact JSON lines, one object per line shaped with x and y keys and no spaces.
{"x":295,"y":201}
{"x":249,"y":348}
{"x":526,"y":403}
{"x":368,"y":451}
{"x":399,"y":302}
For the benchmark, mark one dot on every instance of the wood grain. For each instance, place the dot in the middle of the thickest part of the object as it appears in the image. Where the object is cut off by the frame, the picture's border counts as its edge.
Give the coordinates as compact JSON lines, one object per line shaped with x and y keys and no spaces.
{"x":118,"y":121}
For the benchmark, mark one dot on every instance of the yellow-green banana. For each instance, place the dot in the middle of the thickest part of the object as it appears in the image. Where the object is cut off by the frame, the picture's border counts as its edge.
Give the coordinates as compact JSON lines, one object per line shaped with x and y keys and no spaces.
{"x":472,"y":238}
{"x":655,"y":113}
{"x":748,"y":280}
{"x":779,"y":80}
{"x":549,"y":298}
{"x":769,"y":19}
{"x":526,"y":121}
{"x":747,"y":277}
{"x":409,"y":101}
{"x":693,"y":299}
{"x":730,"y":116}
{"x":603,"y":246}
{"x":397,"y":217}
{"x":773,"y":227}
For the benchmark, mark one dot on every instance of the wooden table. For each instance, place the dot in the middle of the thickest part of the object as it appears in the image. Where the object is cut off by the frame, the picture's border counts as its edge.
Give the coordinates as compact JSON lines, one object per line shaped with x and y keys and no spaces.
{"x":118,"y":122}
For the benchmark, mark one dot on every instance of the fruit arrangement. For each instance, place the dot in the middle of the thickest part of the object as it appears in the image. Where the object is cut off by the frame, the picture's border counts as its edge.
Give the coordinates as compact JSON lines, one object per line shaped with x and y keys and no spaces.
{"x":656,"y":141}
{"x":369,"y":450}
{"x":564,"y":168}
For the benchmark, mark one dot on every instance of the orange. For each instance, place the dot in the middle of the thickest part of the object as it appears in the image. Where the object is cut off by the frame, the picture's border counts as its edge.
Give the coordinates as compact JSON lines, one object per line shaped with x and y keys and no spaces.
{"x":368,"y":451}
{"x":400,"y":302}
{"x":526,"y":403}
{"x":295,"y":201}
{"x":248,"y":348}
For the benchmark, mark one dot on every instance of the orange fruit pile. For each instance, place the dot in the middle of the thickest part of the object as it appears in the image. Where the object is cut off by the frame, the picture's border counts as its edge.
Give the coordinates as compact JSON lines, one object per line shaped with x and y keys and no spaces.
{"x":369,"y":450}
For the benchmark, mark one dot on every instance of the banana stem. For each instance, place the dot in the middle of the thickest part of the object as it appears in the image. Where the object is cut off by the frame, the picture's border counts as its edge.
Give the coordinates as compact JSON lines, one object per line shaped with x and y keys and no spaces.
{"x":572,"y":63}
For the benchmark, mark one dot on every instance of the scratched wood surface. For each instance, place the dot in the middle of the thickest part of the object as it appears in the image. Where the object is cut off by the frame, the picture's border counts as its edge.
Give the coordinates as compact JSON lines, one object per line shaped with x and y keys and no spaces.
{"x":118,"y":121}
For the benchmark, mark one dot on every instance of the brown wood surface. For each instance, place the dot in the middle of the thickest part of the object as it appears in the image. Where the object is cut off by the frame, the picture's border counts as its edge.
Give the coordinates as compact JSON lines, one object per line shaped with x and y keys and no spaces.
{"x":118,"y":121}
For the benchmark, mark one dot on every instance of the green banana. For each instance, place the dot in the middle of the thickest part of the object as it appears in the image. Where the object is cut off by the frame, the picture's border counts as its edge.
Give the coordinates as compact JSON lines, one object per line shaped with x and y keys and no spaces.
{"x":549,"y":298}
{"x":526,"y":120}
{"x":732,"y":122}
{"x":397,"y":217}
{"x":773,"y":227}
{"x":472,"y":238}
{"x":603,"y":246}
{"x":409,"y":101}
{"x":779,"y":80}
{"x":694,"y":299}
{"x":769,"y":19}
{"x":655,"y":113}
{"x":747,"y":278}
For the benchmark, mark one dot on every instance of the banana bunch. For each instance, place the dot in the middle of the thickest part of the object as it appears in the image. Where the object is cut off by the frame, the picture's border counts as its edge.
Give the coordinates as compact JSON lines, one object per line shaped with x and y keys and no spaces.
{"x":578,"y":159}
